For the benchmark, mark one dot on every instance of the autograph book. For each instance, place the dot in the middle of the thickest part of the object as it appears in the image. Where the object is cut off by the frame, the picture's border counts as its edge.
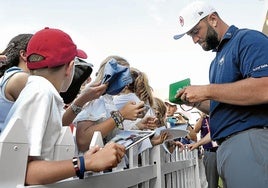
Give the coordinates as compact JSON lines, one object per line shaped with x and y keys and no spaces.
{"x":175,"y":87}
{"x":129,"y":138}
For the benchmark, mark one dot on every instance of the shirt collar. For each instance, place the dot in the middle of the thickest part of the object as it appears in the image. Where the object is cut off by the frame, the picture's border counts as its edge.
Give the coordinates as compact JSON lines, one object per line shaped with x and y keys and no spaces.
{"x":227,"y":36}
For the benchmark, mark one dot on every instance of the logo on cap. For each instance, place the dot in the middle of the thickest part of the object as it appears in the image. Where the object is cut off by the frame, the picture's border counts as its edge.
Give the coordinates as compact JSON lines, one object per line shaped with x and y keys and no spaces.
{"x":200,"y":13}
{"x":181,"y":21}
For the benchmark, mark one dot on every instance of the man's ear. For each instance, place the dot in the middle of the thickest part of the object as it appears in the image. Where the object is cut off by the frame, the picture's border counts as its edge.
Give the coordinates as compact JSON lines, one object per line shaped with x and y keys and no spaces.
{"x":212,"y":19}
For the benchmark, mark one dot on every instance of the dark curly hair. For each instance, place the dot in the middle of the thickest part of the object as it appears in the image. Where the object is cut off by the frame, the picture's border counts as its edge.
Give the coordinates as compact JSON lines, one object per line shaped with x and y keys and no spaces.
{"x":12,"y":52}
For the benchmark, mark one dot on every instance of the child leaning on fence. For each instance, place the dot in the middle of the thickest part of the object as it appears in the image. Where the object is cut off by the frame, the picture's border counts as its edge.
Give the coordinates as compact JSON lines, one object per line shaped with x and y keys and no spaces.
{"x":50,"y":58}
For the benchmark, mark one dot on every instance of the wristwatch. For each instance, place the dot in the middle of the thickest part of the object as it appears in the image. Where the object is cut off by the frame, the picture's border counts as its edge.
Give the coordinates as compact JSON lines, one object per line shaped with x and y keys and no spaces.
{"x":76,"y":109}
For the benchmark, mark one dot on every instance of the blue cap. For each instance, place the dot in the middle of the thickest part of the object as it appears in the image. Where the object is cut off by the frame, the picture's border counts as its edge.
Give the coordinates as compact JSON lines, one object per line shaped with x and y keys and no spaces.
{"x":117,"y":77}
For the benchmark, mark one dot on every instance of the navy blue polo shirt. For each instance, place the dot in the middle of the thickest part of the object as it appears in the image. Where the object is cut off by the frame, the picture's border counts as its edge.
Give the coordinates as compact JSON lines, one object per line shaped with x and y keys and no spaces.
{"x":242,"y":53}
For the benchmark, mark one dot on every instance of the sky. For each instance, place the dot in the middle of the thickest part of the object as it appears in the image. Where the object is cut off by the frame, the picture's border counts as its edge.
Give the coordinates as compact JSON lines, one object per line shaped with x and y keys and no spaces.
{"x":141,"y":31}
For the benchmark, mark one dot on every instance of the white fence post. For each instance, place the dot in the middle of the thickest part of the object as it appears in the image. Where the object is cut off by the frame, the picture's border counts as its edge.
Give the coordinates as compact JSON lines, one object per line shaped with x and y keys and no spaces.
{"x":13,"y":154}
{"x":157,"y":157}
{"x":65,"y":147}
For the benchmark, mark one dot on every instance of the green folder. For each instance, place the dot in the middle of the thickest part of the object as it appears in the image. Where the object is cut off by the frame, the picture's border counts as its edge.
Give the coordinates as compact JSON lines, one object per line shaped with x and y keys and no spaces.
{"x":175,"y":87}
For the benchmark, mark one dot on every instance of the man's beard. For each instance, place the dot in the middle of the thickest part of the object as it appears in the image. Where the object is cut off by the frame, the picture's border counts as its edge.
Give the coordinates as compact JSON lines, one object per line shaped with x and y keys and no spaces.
{"x":211,"y":40}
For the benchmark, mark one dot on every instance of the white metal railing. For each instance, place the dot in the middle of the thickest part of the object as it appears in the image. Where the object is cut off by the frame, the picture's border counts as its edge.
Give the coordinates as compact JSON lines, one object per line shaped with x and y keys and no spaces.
{"x":153,"y":168}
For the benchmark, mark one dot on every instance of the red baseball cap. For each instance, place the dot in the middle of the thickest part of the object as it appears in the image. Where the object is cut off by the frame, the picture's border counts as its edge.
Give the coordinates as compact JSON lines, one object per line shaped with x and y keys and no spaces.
{"x":55,"y":46}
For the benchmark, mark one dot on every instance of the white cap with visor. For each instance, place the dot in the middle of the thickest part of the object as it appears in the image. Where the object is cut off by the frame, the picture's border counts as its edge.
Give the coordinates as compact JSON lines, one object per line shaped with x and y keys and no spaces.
{"x":191,"y":15}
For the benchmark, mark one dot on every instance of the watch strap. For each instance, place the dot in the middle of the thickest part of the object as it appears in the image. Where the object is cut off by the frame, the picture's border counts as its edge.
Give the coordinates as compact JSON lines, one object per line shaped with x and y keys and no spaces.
{"x":76,"y":109}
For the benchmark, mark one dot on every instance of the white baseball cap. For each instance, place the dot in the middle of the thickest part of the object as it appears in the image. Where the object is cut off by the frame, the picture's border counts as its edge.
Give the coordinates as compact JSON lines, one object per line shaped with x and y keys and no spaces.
{"x":191,"y":15}
{"x":170,"y":103}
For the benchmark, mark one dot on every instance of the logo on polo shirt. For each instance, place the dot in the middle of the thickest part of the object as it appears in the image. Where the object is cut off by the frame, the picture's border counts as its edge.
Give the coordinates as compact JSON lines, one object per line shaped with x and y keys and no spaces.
{"x":221,"y":61}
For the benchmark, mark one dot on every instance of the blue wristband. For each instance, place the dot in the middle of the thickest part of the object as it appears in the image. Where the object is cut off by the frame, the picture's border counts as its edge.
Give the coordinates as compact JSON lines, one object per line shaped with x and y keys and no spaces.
{"x":82,"y":167}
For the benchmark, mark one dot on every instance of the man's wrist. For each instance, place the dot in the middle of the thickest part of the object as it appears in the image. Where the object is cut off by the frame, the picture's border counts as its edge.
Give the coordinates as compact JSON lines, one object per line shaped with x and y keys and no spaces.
{"x":197,"y":104}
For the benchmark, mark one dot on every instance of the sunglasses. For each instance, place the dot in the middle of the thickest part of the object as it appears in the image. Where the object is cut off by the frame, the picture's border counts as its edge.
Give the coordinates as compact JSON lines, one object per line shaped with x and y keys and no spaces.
{"x":78,"y":61}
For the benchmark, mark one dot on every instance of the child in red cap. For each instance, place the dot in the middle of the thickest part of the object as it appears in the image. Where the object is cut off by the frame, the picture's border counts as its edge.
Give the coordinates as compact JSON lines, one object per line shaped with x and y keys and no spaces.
{"x":50,"y":59}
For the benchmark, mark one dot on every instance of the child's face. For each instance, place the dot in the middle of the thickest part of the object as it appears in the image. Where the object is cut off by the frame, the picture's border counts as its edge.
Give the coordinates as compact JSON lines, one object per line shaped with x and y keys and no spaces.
{"x":171,"y":109}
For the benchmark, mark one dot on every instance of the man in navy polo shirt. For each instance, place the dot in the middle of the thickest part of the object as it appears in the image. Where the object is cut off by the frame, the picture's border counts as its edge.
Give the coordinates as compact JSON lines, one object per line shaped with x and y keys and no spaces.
{"x":237,"y":96}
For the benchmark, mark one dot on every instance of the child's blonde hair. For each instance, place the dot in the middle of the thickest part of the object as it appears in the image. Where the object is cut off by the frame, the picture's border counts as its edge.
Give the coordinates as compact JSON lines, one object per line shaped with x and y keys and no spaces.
{"x":140,"y":86}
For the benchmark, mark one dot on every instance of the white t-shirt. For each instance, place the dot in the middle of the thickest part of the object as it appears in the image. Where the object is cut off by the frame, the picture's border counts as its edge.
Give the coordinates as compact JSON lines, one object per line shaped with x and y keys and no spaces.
{"x":40,"y":107}
{"x":98,"y":111}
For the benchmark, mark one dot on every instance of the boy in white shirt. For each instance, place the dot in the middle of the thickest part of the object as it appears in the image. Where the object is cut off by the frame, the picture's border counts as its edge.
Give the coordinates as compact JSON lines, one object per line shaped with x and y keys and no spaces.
{"x":50,"y":59}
